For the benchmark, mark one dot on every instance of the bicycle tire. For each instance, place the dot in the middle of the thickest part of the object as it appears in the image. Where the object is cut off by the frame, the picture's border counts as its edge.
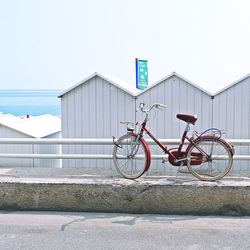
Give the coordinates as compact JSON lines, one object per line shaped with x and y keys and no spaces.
{"x":127,"y":165}
{"x":214,"y":167}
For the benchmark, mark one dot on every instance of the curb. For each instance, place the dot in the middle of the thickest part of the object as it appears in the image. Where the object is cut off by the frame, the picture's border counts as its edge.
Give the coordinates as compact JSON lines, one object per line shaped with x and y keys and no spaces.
{"x":151,"y":196}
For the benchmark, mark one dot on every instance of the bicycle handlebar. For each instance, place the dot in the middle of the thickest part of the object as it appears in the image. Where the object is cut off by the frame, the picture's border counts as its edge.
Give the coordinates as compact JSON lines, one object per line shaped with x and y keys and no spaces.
{"x":155,"y":105}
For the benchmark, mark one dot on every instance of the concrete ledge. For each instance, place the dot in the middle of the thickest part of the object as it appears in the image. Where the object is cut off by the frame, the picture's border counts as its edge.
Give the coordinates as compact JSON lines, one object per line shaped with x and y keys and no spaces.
{"x":157,"y":195}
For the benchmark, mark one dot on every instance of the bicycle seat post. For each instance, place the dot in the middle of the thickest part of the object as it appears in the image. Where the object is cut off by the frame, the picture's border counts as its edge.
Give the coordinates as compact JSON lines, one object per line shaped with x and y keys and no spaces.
{"x":184,"y":136}
{"x":187,"y":127}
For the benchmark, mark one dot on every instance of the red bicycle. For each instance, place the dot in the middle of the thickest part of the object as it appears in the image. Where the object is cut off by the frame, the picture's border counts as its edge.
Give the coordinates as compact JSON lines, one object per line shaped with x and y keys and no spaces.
{"x":207,"y":156}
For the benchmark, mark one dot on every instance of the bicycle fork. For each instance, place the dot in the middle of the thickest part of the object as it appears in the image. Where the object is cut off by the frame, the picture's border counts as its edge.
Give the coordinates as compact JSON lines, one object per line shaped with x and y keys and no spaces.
{"x":133,"y":145}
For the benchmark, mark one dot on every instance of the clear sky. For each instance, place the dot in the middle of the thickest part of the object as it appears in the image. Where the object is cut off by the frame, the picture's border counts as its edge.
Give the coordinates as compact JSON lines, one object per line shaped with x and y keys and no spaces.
{"x":52,"y":44}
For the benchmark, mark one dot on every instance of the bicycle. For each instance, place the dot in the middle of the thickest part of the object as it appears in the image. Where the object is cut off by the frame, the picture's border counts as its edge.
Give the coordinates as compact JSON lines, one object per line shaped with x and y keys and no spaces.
{"x":207,"y":156}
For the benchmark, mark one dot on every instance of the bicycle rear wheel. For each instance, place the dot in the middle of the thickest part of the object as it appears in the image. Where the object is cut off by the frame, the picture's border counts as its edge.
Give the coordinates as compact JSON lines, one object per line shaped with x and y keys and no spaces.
{"x":130,"y":157}
{"x":212,"y":157}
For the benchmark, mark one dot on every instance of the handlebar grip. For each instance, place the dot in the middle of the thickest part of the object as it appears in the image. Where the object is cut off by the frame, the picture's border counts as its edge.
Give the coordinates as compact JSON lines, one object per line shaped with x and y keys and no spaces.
{"x":162,"y":105}
{"x":159,"y":106}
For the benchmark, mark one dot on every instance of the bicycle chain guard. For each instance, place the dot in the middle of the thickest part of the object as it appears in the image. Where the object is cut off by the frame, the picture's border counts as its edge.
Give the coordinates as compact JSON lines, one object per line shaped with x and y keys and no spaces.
{"x":178,"y":155}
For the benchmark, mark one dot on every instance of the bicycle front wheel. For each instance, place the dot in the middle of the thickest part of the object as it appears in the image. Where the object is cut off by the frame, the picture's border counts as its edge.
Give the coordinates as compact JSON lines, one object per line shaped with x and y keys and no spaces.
{"x":209,"y":159}
{"x":130,"y":157}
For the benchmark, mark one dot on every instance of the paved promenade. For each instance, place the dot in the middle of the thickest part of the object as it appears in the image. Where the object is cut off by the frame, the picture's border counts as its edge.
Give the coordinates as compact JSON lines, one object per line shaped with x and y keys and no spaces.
{"x":104,"y":191}
{"x":31,"y":230}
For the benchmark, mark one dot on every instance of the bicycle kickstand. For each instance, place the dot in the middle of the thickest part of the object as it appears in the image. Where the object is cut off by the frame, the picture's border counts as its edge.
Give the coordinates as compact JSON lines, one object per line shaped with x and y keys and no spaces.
{"x":178,"y":171}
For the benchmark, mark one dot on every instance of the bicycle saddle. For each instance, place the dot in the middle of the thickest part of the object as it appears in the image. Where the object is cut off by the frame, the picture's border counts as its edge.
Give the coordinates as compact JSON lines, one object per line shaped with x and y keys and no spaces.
{"x":187,"y":118}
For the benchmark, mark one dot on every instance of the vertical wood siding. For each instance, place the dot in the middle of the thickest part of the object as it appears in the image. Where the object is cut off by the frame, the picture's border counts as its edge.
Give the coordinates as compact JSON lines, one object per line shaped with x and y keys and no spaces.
{"x":179,"y":97}
{"x":231,"y":112}
{"x":6,"y":132}
{"x":94,"y":110}
{"x":48,"y":149}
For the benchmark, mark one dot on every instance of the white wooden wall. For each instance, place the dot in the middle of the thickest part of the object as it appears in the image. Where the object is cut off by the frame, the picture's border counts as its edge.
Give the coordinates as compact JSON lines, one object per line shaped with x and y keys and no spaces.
{"x":6,"y":132}
{"x":179,"y":97}
{"x":94,"y":110}
{"x":48,"y":149}
{"x":231,"y":112}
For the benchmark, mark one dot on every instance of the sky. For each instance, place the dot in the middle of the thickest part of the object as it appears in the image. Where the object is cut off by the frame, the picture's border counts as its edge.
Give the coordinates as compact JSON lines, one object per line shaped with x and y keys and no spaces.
{"x":53,"y":44}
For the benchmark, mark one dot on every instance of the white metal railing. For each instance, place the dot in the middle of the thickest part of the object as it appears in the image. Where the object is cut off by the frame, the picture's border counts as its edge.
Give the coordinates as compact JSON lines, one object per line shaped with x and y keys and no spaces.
{"x":93,"y":141}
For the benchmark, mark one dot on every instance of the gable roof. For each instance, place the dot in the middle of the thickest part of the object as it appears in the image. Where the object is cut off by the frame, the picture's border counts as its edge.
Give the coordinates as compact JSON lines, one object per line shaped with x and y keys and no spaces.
{"x":232,"y":84}
{"x":35,"y":126}
{"x":131,"y":90}
{"x":128,"y":88}
{"x":177,"y":75}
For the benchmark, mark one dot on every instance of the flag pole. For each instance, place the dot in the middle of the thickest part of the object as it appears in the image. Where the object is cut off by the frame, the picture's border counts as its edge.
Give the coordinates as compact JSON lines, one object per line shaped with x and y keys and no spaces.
{"x":136,"y":71}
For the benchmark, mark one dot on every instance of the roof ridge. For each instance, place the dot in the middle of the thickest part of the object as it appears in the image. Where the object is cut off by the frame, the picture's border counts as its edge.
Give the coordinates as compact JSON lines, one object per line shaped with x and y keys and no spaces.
{"x":232,"y":84}
{"x":134,"y":92}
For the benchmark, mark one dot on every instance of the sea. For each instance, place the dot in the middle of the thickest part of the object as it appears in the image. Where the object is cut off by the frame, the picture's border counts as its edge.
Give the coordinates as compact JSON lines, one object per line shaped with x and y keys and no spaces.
{"x":30,"y":102}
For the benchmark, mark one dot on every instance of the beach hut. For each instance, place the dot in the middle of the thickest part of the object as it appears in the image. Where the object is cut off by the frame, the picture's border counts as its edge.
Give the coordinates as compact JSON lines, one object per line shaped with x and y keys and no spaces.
{"x":180,"y":96}
{"x":231,"y":112}
{"x":93,"y":108}
{"x":43,"y":126}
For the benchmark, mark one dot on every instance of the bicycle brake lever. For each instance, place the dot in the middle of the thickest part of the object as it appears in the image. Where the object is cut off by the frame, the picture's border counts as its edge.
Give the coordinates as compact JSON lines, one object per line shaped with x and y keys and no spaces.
{"x":159,"y":107}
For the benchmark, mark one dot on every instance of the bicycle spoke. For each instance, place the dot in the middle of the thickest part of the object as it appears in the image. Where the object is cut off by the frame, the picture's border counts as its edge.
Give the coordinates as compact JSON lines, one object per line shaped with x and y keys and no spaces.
{"x":131,"y":166}
{"x":123,"y":164}
{"x":216,"y":165}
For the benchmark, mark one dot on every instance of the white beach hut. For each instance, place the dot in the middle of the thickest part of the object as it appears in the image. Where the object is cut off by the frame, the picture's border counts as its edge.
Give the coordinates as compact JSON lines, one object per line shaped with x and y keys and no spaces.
{"x":93,"y":108}
{"x":180,"y":96}
{"x":43,"y":126}
{"x":231,"y":112}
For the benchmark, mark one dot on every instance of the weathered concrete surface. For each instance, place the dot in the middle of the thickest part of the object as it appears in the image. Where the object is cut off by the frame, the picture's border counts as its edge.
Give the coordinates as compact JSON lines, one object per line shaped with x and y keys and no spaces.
{"x":158,"y":195}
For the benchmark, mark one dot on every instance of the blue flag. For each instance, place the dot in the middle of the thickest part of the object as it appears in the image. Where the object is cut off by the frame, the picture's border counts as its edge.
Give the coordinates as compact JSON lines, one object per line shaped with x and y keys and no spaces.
{"x":141,"y":74}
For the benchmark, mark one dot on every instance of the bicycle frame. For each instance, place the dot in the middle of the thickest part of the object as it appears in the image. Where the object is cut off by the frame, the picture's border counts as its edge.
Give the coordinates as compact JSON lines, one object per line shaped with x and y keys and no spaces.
{"x":145,"y":130}
{"x":175,"y":161}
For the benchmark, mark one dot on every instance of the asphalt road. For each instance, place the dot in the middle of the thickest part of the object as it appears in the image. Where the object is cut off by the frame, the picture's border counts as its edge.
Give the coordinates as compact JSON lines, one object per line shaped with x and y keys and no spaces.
{"x":60,"y":230}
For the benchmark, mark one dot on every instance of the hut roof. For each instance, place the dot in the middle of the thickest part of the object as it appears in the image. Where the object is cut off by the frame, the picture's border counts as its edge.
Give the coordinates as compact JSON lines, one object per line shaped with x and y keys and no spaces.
{"x":232,"y":84}
{"x":34,"y":126}
{"x":129,"y":88}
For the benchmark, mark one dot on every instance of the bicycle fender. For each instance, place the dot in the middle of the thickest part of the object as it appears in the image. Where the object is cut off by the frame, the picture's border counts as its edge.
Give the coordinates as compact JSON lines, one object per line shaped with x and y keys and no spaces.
{"x":209,"y":137}
{"x":147,"y":152}
{"x":198,"y":139}
{"x":229,"y":145}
